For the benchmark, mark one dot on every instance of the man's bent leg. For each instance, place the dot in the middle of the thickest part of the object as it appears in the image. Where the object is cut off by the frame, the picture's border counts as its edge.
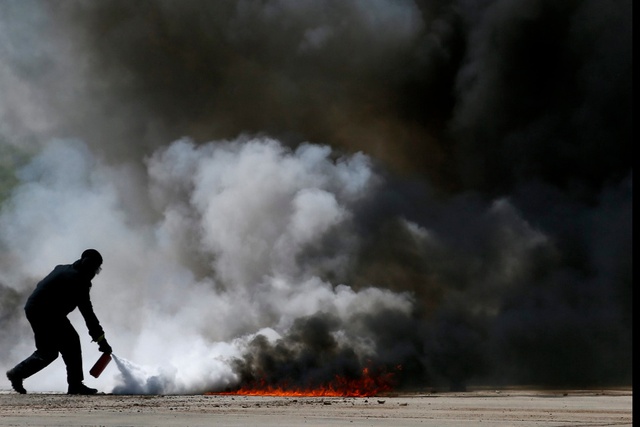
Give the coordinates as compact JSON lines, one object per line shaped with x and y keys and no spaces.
{"x":46,"y":352}
{"x":32,"y":364}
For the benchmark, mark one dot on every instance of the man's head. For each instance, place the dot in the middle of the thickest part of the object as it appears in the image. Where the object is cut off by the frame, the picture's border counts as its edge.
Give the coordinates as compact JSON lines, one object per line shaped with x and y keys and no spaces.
{"x":90,"y":261}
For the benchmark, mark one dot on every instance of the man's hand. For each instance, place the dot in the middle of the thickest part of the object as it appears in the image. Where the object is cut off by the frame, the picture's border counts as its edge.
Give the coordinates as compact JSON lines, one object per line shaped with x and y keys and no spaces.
{"x":104,"y":346}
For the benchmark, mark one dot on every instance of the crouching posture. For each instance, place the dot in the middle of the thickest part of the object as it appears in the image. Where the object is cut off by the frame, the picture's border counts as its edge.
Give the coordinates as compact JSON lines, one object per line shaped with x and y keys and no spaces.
{"x":62,"y":291}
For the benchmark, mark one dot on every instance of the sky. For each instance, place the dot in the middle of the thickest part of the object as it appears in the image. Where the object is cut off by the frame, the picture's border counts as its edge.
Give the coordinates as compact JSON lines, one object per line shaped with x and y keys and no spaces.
{"x":291,"y":190}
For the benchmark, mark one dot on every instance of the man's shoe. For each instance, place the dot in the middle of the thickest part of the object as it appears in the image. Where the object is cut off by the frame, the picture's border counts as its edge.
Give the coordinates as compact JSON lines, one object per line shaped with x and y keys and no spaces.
{"x":81,"y":389}
{"x":16,"y":381}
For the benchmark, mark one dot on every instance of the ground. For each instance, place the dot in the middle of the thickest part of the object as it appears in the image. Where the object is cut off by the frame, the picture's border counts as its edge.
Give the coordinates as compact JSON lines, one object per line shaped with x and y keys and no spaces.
{"x":489,"y":407}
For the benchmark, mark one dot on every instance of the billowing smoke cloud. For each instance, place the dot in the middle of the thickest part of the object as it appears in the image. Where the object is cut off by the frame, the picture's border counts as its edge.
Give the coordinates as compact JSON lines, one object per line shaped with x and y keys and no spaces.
{"x":294,"y":189}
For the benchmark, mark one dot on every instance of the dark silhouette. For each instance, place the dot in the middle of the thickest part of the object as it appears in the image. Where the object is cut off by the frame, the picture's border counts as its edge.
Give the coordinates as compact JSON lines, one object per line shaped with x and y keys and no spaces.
{"x":57,"y":295}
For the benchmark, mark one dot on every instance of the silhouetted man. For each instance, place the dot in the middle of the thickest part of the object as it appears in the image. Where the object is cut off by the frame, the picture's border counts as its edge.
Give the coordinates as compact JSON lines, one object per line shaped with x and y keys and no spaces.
{"x":57,"y":295}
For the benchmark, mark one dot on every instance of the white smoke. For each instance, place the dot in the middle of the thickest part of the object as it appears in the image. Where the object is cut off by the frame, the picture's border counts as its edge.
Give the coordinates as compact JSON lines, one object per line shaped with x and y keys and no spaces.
{"x":225,"y":258}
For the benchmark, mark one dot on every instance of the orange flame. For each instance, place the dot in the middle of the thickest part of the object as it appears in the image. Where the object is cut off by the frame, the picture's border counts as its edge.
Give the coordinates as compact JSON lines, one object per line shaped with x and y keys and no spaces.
{"x":366,"y":386}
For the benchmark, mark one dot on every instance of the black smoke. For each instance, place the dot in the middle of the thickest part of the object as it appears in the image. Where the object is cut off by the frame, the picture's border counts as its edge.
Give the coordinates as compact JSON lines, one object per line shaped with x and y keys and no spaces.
{"x":499,"y":132}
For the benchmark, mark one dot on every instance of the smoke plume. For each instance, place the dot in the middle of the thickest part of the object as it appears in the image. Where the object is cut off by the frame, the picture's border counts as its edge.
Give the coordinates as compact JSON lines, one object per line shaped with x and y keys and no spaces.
{"x":286,"y":191}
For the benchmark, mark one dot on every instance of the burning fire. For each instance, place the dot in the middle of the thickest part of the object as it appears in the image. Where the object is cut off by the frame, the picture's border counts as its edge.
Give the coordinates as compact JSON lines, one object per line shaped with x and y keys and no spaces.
{"x":366,"y":385}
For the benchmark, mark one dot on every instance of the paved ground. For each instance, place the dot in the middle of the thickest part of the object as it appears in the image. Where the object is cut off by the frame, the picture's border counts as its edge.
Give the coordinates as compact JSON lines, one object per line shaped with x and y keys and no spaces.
{"x":488,"y":408}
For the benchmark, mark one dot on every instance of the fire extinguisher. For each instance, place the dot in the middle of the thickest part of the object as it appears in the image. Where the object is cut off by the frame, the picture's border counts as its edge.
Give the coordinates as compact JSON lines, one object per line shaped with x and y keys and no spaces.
{"x":100,"y":364}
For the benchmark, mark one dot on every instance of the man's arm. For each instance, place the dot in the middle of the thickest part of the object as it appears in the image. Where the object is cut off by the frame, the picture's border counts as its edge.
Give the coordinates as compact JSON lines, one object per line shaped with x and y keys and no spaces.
{"x":93,"y":324}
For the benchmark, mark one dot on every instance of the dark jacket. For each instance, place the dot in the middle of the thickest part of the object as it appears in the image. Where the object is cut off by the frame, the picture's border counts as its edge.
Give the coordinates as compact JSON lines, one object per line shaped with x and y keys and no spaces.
{"x":58,"y":294}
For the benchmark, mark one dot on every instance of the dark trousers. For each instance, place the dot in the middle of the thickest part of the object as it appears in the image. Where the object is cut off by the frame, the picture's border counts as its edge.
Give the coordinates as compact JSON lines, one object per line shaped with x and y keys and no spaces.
{"x":53,"y":336}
